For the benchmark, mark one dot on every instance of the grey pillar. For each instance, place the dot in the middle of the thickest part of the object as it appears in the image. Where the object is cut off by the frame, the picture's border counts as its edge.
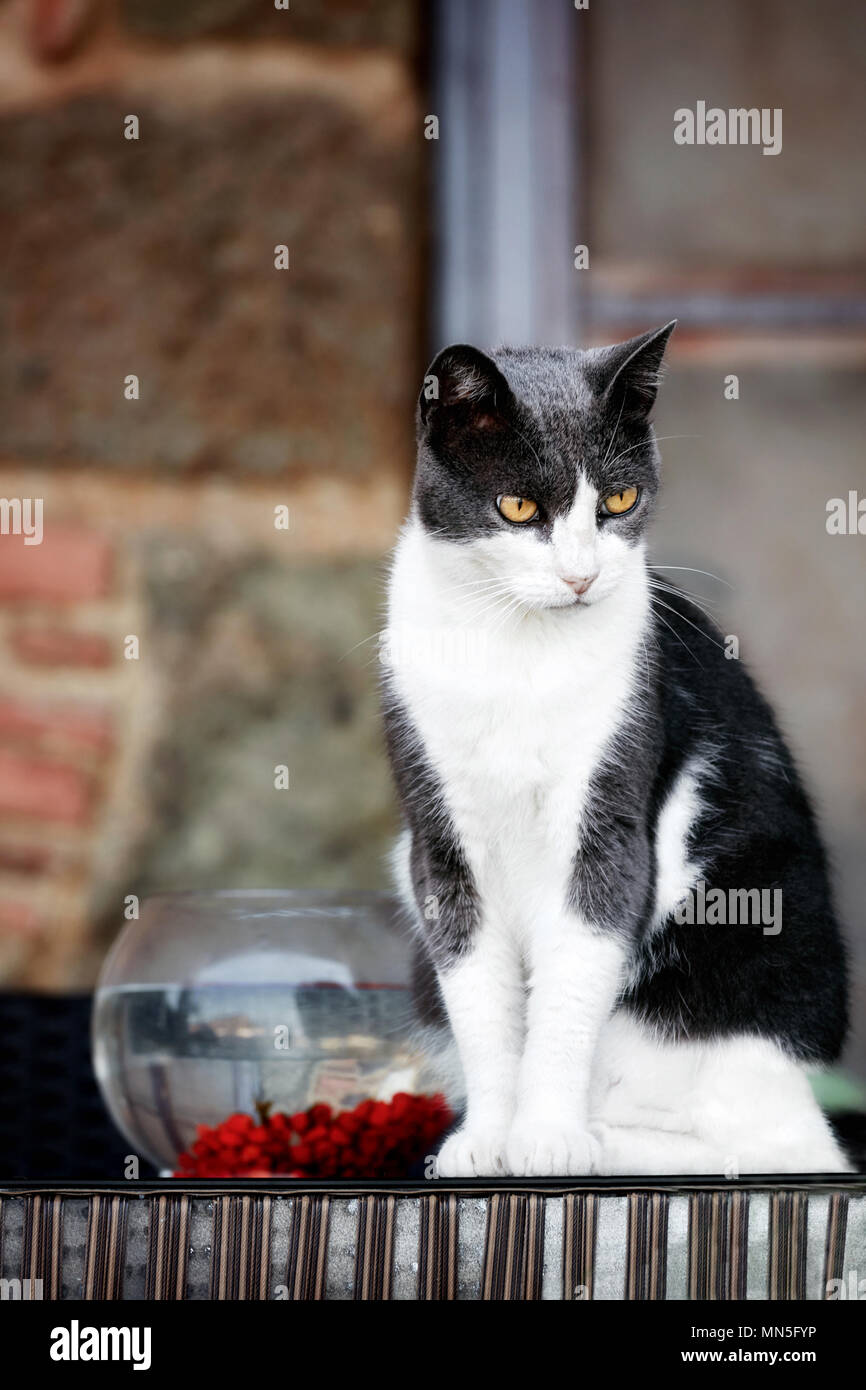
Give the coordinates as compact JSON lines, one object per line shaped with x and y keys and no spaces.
{"x":506,"y":183}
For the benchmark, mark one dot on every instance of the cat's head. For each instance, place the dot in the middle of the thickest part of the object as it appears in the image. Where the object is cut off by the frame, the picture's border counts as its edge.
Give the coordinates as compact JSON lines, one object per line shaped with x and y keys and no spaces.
{"x":538,"y":467}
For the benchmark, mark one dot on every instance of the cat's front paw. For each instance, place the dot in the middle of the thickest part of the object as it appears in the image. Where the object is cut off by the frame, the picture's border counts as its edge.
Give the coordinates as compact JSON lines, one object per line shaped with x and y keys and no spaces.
{"x":472,"y":1153}
{"x":550,"y":1150}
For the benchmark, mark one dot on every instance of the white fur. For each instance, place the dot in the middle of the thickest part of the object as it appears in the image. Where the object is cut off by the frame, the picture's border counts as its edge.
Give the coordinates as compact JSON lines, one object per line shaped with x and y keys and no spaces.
{"x":734,"y":1106}
{"x":515,"y":688}
{"x":675,"y":873}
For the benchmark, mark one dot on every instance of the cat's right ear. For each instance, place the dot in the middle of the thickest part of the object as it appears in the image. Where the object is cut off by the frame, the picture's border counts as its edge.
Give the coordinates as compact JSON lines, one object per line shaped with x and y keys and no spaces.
{"x":463,"y":385}
{"x":629,"y":373}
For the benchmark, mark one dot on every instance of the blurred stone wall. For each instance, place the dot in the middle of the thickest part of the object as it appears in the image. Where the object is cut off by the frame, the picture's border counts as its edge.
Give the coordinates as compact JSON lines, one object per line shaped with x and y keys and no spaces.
{"x":259,"y":388}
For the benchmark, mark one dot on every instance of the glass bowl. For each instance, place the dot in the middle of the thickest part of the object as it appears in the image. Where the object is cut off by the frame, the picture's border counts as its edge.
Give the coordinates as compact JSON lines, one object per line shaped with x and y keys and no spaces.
{"x":212,"y":1002}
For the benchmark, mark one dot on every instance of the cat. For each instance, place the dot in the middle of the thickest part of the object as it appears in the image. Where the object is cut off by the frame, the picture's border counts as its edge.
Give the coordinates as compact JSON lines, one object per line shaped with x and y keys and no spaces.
{"x":577,"y":759}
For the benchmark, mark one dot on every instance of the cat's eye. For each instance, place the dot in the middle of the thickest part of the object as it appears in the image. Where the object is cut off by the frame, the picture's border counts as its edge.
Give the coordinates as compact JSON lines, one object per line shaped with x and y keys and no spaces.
{"x":517,"y":508}
{"x":618,"y":502}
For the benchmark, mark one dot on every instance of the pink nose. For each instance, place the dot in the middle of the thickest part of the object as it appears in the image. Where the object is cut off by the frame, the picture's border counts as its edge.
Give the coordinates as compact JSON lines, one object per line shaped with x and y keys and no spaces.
{"x":579,"y":585}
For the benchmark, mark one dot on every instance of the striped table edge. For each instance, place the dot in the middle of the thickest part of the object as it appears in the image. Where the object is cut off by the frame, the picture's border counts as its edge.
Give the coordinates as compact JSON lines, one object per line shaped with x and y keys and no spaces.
{"x":451,"y":1245}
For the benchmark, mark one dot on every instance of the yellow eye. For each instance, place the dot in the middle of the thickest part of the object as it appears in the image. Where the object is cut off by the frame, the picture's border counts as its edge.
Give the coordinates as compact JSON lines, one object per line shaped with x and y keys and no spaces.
{"x":619,"y":502}
{"x":517,"y":508}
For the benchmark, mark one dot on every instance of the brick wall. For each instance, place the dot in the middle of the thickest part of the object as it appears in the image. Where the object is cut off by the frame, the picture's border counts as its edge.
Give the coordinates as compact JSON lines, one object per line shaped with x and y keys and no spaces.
{"x":123,"y":770}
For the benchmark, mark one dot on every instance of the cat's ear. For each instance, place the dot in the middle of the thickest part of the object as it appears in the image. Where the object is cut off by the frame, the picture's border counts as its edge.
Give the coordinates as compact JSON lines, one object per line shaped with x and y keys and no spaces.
{"x":463,"y":385}
{"x":628,"y":374}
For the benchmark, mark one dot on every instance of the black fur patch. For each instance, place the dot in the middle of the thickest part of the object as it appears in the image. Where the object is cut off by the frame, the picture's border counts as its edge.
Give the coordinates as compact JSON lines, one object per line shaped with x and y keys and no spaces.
{"x":445,"y":894}
{"x":758,"y":831}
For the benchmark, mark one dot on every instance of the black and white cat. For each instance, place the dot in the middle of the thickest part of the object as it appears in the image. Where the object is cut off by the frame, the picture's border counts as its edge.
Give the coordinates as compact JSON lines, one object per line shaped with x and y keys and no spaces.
{"x":575,"y":756}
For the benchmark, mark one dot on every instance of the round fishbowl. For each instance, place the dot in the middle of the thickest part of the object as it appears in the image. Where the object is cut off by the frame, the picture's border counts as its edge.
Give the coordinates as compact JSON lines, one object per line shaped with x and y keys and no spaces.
{"x":213,"y":1003}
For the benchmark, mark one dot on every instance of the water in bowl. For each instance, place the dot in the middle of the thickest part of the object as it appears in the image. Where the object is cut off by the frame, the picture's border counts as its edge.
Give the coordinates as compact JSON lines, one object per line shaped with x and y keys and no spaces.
{"x":169,"y":1058}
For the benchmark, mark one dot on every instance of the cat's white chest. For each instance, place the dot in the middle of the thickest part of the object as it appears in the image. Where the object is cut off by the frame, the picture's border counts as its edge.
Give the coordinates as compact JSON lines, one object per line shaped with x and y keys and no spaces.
{"x":519,"y":793}
{"x":514,"y":729}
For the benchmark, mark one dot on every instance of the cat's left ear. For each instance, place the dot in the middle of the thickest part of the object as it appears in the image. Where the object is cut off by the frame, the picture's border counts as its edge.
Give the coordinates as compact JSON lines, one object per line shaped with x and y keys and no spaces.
{"x":628,"y":374}
{"x":462,"y":385}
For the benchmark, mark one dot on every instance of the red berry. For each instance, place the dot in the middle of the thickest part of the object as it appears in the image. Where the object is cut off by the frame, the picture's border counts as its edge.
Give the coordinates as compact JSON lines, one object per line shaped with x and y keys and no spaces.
{"x":376,"y":1138}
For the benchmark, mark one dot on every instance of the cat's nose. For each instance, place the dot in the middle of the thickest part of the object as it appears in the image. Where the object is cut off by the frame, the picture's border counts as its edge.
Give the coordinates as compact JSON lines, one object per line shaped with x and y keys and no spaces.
{"x":579,"y":584}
